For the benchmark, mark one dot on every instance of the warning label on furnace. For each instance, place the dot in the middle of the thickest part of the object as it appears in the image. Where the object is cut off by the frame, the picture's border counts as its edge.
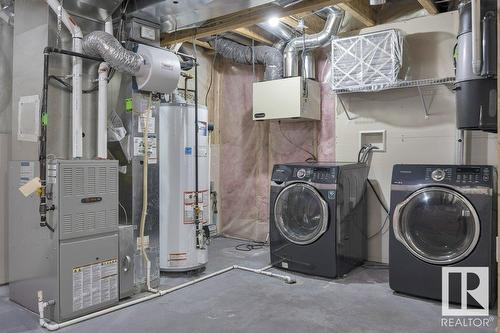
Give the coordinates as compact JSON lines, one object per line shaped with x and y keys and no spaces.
{"x":94,"y":284}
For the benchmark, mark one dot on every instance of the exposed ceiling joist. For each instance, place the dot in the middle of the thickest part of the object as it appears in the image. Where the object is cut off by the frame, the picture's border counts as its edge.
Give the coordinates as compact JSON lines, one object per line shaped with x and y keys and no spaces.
{"x":360,"y":10}
{"x":254,"y":34}
{"x":313,"y":23}
{"x":429,"y":6}
{"x":242,"y":19}
{"x":202,"y":44}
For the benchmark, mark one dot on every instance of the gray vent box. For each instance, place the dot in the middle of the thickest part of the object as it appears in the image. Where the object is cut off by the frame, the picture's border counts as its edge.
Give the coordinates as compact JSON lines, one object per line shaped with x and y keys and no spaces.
{"x":76,"y":265}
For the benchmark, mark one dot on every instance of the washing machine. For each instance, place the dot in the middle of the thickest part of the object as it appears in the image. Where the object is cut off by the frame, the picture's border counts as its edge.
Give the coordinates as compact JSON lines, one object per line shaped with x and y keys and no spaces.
{"x":318,"y":217}
{"x":442,"y":216}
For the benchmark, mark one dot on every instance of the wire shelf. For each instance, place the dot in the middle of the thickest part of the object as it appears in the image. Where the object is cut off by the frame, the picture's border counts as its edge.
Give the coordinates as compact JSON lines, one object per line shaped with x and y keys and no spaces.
{"x":447,"y":81}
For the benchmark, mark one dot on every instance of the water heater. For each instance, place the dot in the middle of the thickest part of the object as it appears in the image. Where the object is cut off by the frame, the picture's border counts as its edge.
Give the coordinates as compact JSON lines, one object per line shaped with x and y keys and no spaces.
{"x":178,"y":250}
{"x":476,"y":68}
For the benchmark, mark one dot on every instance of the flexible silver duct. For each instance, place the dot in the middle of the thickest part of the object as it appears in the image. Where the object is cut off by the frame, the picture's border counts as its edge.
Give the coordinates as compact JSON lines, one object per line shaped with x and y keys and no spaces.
{"x":102,"y":44}
{"x":308,"y":42}
{"x":266,"y":55}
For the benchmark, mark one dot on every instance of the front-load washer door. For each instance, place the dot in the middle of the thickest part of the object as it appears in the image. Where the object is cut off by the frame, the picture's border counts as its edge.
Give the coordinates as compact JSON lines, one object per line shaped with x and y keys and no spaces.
{"x":437,"y":225}
{"x":300,"y":213}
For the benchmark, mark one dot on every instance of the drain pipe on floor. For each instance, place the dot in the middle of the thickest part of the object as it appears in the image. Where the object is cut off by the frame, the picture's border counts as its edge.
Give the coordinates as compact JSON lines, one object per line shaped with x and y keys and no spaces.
{"x":55,"y":326}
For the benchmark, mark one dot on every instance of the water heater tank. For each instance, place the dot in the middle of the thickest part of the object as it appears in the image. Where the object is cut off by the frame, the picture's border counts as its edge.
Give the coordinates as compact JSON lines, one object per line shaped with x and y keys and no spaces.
{"x":178,"y":251}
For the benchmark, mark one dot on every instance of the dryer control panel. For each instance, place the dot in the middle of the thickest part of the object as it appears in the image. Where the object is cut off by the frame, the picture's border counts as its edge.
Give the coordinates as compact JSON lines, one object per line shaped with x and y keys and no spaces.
{"x":456,"y":175}
{"x":313,"y":174}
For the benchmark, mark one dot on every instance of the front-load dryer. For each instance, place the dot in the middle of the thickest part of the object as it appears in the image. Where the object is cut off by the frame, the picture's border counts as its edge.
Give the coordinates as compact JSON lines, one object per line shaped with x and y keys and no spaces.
{"x":318,"y":217}
{"x":442,"y":216}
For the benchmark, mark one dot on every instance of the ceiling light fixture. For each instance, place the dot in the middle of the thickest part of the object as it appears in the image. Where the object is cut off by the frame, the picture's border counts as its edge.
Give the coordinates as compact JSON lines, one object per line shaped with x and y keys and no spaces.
{"x":273,"y":21}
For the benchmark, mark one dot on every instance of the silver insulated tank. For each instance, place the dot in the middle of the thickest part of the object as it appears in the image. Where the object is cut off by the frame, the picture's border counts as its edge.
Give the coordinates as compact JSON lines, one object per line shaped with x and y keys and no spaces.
{"x":178,"y":243}
{"x":476,"y":94}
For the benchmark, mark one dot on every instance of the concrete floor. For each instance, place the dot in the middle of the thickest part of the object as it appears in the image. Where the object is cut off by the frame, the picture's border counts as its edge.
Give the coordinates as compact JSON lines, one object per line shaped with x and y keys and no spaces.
{"x":240,"y":301}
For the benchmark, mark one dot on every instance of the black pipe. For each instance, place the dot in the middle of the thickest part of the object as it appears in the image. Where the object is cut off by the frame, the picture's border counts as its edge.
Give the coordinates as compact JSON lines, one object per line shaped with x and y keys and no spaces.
{"x":196,"y":180}
{"x":50,"y":50}
{"x":43,"y":142}
{"x":47,"y":52}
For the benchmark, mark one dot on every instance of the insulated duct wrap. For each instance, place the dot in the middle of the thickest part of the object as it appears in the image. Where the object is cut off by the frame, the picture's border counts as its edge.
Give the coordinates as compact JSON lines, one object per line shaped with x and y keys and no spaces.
{"x":241,"y":54}
{"x":101,"y":44}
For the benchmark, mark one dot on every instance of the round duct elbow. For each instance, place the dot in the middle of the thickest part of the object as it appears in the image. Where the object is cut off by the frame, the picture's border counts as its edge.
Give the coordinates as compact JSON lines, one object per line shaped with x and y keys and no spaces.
{"x":101,"y":44}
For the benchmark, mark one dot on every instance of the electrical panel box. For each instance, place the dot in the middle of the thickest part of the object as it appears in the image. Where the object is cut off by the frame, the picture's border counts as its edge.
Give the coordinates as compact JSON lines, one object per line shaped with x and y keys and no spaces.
{"x":76,"y":264}
{"x":287,"y":99}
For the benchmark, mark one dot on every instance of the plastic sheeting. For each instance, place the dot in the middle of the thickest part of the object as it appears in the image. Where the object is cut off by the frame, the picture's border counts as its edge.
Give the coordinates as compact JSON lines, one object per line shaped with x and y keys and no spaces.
{"x":101,"y":44}
{"x":249,"y":149}
{"x":241,"y":54}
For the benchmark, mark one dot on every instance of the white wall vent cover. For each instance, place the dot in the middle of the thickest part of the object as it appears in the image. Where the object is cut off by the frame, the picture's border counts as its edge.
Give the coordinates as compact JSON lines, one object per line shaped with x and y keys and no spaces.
{"x":28,"y":121}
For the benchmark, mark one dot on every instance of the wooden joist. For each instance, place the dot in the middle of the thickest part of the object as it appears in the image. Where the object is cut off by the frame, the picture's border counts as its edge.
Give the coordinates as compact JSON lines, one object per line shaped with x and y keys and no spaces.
{"x":429,"y":6}
{"x":360,"y":10}
{"x":244,"y":18}
{"x":313,"y":23}
{"x":254,"y":34}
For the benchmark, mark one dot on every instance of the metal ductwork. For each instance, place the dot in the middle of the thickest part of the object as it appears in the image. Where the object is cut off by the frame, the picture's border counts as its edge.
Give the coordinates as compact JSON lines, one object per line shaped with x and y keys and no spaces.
{"x":104,"y":45}
{"x":282,"y":31}
{"x":266,"y":55}
{"x":309,"y":42}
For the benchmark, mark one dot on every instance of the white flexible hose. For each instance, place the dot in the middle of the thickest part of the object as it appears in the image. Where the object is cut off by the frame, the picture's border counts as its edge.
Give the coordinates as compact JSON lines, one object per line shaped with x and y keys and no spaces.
{"x":145,"y":130}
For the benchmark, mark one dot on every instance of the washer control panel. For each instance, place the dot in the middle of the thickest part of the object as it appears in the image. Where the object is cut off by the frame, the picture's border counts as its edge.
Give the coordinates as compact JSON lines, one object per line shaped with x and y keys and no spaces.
{"x":321,"y":175}
{"x":456,"y":175}
{"x":438,"y":175}
{"x":472,"y":175}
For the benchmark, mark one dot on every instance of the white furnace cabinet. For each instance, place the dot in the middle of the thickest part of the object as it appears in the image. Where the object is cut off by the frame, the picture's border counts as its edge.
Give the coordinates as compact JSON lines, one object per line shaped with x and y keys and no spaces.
{"x":287,"y":99}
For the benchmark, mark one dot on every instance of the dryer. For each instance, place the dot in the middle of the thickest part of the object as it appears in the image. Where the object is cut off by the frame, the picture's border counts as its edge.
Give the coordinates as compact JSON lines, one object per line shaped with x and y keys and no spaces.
{"x":318,"y":217}
{"x":442,"y":216}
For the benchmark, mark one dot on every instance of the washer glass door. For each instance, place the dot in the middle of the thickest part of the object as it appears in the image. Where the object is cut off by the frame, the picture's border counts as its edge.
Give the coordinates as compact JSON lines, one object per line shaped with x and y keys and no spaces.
{"x":437,"y":225}
{"x":300,"y":213}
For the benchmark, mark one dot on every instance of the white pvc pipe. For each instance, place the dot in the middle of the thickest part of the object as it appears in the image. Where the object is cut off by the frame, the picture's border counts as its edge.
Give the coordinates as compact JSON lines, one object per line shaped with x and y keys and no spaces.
{"x":76,"y":104}
{"x":55,"y":326}
{"x":476,"y":37}
{"x":262,"y":271}
{"x":102,"y":112}
{"x":102,"y":103}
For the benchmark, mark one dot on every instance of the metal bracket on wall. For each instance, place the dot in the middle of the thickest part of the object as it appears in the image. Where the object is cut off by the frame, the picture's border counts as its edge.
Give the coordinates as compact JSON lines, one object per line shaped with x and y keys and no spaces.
{"x":344,"y":108}
{"x":422,"y":99}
